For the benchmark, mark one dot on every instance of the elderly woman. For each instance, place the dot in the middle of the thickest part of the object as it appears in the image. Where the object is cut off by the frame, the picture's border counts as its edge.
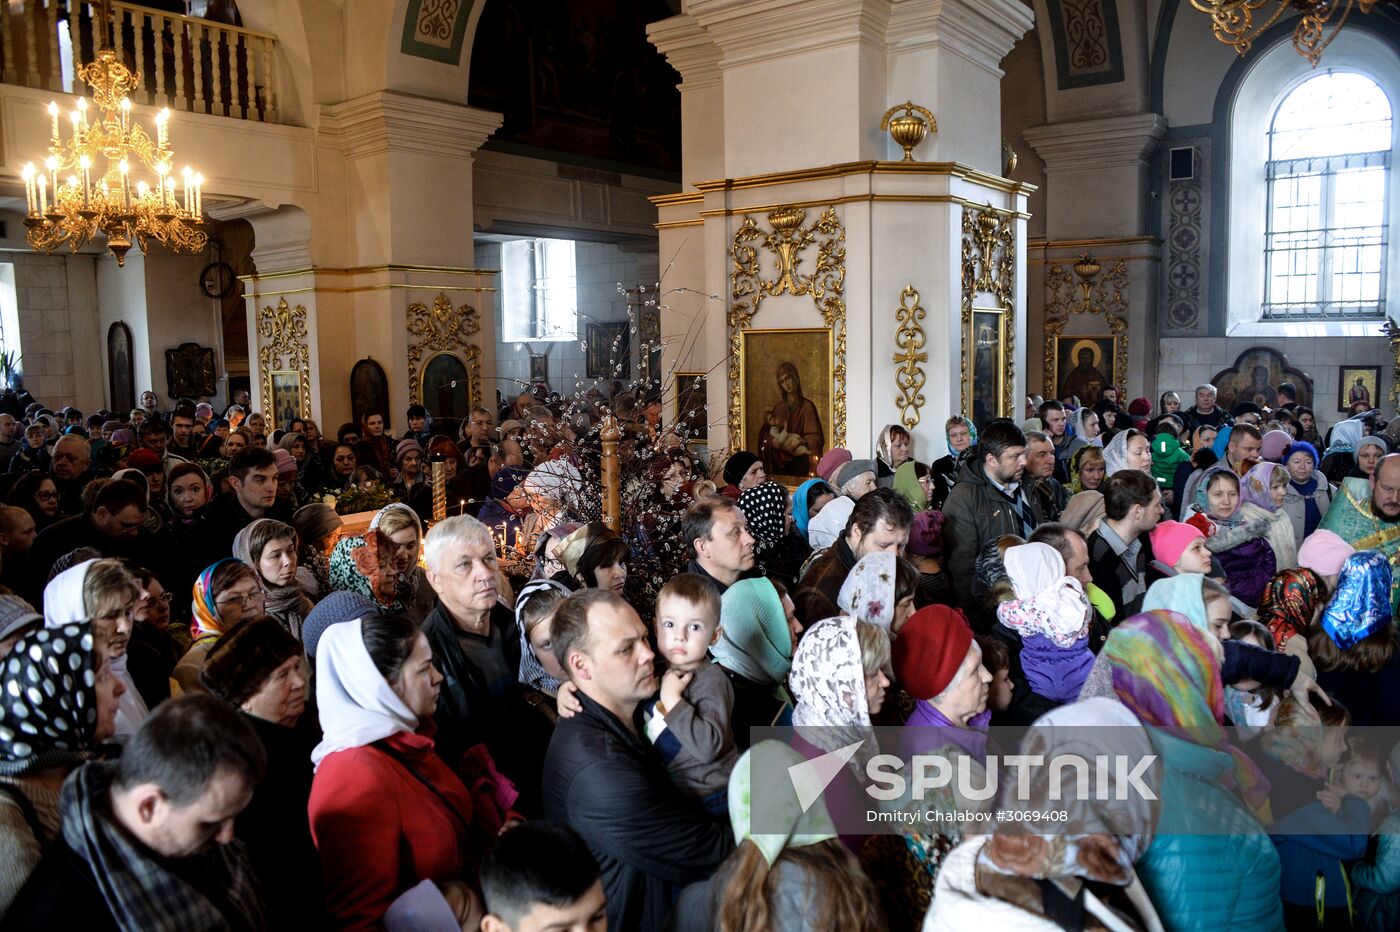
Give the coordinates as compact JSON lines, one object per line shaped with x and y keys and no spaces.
{"x":402,"y":526}
{"x":758,"y":630}
{"x":224,"y":594}
{"x":270,"y":548}
{"x":1082,"y":876}
{"x":103,"y":592}
{"x":768,"y":511}
{"x":893,"y":448}
{"x":960,"y":434}
{"x":1167,"y":673}
{"x":386,"y":812}
{"x":59,"y":676}
{"x":257,"y":668}
{"x":1309,"y":494}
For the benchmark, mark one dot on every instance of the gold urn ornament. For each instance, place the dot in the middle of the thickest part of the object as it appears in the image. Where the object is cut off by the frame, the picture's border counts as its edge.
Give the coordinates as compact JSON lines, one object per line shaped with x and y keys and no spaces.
{"x":909,"y":129}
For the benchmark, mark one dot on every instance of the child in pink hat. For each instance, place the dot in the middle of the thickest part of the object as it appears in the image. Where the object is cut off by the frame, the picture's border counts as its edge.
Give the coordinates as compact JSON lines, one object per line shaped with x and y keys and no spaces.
{"x":1181,"y":547}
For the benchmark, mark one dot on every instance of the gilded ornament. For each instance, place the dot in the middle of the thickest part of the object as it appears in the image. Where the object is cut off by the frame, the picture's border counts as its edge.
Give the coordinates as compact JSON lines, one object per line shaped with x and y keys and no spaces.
{"x":1233,"y":23}
{"x":1009,"y":159}
{"x":282,"y":334}
{"x":909,"y":377}
{"x":989,"y":267}
{"x":444,"y":329}
{"x":826,"y":284}
{"x":909,"y":129}
{"x":1085,"y":288}
{"x":1392,"y":330}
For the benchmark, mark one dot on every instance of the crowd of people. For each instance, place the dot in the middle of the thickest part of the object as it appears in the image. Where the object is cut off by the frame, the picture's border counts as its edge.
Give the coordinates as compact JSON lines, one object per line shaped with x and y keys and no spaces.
{"x":223,"y":707}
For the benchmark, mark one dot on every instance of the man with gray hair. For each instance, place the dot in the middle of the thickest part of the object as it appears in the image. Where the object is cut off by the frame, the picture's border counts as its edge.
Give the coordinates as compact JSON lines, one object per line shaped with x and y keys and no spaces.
{"x":476,"y":646}
{"x":1205,"y":411}
{"x":72,"y":458}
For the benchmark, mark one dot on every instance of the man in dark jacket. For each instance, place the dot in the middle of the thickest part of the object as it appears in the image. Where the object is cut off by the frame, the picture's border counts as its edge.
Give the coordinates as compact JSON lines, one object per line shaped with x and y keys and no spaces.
{"x":253,"y":475}
{"x":1205,"y":411}
{"x":987,"y":502}
{"x":1120,"y":551}
{"x":1046,"y":490}
{"x":145,"y":840}
{"x":717,"y":536}
{"x":71,"y":470}
{"x":113,"y":527}
{"x":880,"y":522}
{"x":476,"y":647}
{"x":603,"y":779}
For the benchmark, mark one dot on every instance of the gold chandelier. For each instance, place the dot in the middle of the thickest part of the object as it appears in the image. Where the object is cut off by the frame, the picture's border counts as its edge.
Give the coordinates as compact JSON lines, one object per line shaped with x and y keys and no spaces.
{"x":1233,"y":21}
{"x":91,"y":174}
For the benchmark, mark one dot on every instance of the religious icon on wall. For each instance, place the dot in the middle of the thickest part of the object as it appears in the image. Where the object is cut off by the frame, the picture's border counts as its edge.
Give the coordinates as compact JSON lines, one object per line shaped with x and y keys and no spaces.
{"x":445,"y":384}
{"x":1084,"y":367}
{"x":786,"y":398}
{"x":692,"y":413}
{"x":985,"y":379}
{"x":609,"y":353}
{"x":1357,"y":388}
{"x":1256,"y":376}
{"x":369,"y":390}
{"x":285,"y":404}
{"x":121,"y":379}
{"x":189,"y":370}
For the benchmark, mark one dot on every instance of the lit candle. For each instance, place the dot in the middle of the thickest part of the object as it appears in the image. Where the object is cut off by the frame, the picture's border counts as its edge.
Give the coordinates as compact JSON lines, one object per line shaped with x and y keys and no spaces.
{"x":77,"y":120}
{"x":187,"y":175}
{"x":126,"y":113}
{"x":27,"y":173}
{"x":162,"y":127}
{"x":52,"y":164}
{"x":86,"y":164}
{"x":53,"y":115}
{"x":142,"y":189}
{"x":82,"y":111}
{"x":199,"y":195}
{"x":125,"y":169}
{"x":43,"y":194}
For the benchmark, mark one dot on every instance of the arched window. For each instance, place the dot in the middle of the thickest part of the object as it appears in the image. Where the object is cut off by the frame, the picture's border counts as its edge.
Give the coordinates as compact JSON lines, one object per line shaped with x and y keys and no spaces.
{"x":1329,"y":149}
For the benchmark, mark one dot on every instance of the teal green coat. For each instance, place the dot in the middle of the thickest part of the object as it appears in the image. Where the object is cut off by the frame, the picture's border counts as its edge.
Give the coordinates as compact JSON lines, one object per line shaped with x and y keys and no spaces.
{"x":1377,"y":883}
{"x":1227,"y":880}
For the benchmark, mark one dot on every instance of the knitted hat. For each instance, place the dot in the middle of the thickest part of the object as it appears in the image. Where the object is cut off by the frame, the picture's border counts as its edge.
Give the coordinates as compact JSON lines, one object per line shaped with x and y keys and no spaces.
{"x":15,"y":613}
{"x":144,"y":459}
{"x":407,"y":445}
{"x":332,"y":610}
{"x":850,"y":470}
{"x":1170,"y":540}
{"x":245,"y":657}
{"x":1140,"y":407}
{"x":123,"y":438}
{"x":510,"y":425}
{"x":1302,"y":446}
{"x":315,"y":521}
{"x":930,"y":649}
{"x":286,"y":463}
{"x":830,"y":460}
{"x":1324,"y":552}
{"x":737,"y":465}
{"x":926,"y":536}
{"x":1276,"y":443}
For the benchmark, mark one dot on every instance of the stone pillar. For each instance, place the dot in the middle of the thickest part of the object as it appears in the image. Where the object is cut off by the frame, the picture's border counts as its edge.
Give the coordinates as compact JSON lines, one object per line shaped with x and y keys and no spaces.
{"x":837,"y":229}
{"x":1083,"y":160}
{"x":398,"y":254}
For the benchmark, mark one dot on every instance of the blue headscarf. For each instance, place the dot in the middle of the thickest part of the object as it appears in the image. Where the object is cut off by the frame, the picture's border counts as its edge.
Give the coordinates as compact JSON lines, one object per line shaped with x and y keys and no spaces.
{"x":971,"y":430}
{"x":1361,"y":605}
{"x":801,"y":499}
{"x":1222,"y":440}
{"x":1346,"y":436}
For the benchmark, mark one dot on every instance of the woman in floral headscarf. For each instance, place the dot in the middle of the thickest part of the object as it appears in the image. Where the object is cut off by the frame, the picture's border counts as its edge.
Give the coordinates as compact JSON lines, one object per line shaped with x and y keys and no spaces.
{"x":364,"y":565}
{"x":880,"y":590}
{"x":1167,"y":673}
{"x":1291,"y":602}
{"x":1236,"y":532}
{"x":960,"y":434}
{"x":1354,"y":642}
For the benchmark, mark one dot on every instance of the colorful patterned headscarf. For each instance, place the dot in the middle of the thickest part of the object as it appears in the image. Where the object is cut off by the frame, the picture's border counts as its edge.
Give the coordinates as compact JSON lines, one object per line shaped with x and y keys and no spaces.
{"x":868,"y":592}
{"x":1167,"y":672}
{"x":906,"y":483}
{"x":355,"y":566}
{"x":1361,"y":605}
{"x":1203,"y":496}
{"x":1048,"y":602}
{"x":801,"y":502}
{"x":206,"y":621}
{"x":1290,"y":600}
{"x":1254,"y":487}
{"x":49,"y":713}
{"x":971,"y":432}
{"x":765,"y":508}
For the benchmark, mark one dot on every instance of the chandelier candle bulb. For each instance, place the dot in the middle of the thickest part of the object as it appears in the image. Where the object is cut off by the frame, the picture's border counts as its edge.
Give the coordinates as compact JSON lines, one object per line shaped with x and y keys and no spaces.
{"x":53,"y":115}
{"x":43,"y":194}
{"x":27,"y":173}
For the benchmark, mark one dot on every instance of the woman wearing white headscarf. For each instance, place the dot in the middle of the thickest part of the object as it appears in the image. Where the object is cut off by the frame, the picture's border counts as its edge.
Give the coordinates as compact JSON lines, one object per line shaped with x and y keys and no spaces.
{"x":1012,"y":880}
{"x":386,"y":811}
{"x":103,"y":593}
{"x":830,"y":522}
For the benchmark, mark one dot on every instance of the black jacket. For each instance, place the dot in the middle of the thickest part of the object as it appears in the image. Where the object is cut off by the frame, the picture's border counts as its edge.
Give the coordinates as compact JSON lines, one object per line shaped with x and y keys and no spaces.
{"x":607,"y":784}
{"x":61,"y":893}
{"x":1111,"y":573}
{"x":468,"y":715}
{"x":976,"y":514}
{"x":815,"y":598}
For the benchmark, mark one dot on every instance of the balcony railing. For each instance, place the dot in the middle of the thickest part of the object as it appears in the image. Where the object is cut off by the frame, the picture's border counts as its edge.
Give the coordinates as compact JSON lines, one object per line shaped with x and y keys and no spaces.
{"x":184,"y":63}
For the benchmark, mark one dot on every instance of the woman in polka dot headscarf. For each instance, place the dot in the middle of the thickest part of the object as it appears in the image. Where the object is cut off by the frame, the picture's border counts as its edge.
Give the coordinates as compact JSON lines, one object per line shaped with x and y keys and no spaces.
{"x":59,"y":704}
{"x":768,"y":511}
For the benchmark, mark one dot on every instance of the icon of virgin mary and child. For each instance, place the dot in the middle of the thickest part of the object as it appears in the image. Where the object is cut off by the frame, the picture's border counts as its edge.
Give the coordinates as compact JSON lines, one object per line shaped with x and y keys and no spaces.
{"x":791,"y":439}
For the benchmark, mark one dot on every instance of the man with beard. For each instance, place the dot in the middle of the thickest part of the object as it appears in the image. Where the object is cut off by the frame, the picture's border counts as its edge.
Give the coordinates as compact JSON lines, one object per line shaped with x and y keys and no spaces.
{"x":1366,"y":514}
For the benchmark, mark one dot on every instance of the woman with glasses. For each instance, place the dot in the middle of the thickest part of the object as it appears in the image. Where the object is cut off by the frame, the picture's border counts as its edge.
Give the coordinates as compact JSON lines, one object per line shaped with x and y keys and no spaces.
{"x":156,"y":645}
{"x":102,"y":593}
{"x":36,"y":494}
{"x":224,"y":594}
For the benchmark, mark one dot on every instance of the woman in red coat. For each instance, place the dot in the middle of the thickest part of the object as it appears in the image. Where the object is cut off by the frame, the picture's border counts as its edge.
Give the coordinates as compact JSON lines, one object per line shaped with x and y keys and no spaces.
{"x":386,"y":811}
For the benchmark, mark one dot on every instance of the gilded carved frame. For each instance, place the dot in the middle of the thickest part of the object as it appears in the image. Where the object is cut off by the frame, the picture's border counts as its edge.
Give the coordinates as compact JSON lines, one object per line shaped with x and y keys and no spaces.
{"x":284,"y":330}
{"x":989,"y":268}
{"x":1087,"y":289}
{"x":443,"y":329}
{"x":826,"y":284}
{"x":909,"y":376}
